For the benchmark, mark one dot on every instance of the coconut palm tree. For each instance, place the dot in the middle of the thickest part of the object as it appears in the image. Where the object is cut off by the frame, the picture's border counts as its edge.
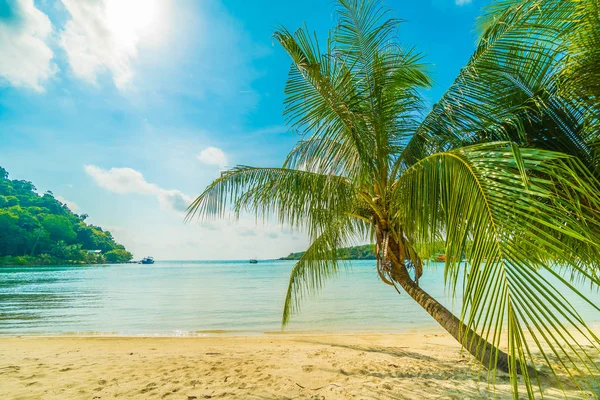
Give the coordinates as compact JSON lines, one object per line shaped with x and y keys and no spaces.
{"x":370,"y":168}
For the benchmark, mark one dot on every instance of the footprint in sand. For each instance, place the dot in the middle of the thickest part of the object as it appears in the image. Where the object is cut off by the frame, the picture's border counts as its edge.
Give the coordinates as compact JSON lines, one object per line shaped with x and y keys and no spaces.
{"x":11,"y":368}
{"x":308,"y":368}
{"x":149,"y":387}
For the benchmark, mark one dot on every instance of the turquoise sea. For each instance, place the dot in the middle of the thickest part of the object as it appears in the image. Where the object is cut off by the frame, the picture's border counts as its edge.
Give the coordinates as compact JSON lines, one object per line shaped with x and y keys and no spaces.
{"x":208,"y":297}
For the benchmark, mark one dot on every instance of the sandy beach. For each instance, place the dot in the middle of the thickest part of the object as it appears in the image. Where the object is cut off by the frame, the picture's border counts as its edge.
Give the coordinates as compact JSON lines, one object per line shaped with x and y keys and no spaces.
{"x":276,"y":366}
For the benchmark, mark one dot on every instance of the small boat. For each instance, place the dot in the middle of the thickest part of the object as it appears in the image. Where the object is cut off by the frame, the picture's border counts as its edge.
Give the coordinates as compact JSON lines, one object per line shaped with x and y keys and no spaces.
{"x":253,"y":261}
{"x":148,"y":260}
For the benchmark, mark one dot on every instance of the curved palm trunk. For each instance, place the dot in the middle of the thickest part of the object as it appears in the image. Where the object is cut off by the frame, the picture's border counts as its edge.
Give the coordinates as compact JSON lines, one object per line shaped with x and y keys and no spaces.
{"x":482,"y":350}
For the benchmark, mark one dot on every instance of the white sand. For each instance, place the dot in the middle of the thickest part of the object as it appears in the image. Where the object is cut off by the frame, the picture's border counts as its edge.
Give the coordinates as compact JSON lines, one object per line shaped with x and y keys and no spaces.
{"x":332,"y":366}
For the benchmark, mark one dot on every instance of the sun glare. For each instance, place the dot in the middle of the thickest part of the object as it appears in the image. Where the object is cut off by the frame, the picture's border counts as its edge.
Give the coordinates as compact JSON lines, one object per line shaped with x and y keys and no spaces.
{"x":130,"y":20}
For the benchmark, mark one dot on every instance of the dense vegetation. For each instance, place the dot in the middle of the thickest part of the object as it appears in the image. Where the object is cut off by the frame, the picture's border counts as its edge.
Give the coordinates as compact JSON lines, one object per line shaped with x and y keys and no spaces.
{"x":367,"y":252}
{"x":504,"y":168}
{"x":38,"y":229}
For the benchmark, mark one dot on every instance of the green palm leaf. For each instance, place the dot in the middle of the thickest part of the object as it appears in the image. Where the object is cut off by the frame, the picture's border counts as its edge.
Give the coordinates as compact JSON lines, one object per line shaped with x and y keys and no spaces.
{"x":511,"y":231}
{"x":512,"y":88}
{"x":320,"y":261}
{"x":300,"y":198}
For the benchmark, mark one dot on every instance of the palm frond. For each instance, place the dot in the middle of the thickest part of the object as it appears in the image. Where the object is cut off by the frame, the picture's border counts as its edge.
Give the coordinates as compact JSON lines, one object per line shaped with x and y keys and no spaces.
{"x":323,"y":156}
{"x":300,"y":198}
{"x":510,"y":89}
{"x":321,"y":261}
{"x":580,"y":73}
{"x":361,"y":92}
{"x":519,"y":217}
{"x":321,"y":97}
{"x":364,"y":30}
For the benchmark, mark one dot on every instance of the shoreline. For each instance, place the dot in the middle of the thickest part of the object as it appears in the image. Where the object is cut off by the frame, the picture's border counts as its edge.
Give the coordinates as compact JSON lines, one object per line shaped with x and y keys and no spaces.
{"x":63,"y":264}
{"x":216,"y":333}
{"x":426,"y":329}
{"x":273,"y":366}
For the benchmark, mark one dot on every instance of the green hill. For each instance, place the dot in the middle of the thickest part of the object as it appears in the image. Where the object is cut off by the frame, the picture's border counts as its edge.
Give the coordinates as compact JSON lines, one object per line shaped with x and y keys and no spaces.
{"x":365,"y":252}
{"x":38,"y":229}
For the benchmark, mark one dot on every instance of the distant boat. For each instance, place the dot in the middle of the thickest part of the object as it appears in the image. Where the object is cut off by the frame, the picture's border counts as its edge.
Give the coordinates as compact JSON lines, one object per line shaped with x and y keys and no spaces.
{"x":148,"y":260}
{"x":253,"y":261}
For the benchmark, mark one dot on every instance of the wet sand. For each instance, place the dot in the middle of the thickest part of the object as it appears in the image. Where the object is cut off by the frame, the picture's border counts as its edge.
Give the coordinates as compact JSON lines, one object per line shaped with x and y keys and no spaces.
{"x":284,"y":366}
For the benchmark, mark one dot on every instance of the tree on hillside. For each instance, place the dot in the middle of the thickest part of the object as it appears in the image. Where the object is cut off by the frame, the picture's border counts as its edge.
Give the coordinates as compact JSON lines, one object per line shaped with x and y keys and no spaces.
{"x":10,"y":235}
{"x":485,"y":179}
{"x":59,"y":228}
{"x":37,"y":226}
{"x":118,"y":256}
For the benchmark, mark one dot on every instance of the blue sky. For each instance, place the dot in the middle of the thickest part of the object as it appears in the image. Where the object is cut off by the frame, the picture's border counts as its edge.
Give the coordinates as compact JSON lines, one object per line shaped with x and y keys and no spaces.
{"x":127,"y":109}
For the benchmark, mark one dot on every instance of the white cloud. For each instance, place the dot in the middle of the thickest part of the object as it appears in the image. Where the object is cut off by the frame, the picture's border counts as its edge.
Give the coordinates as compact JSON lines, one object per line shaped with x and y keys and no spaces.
{"x":120,"y":180}
{"x":463,"y":2}
{"x":213,"y":156}
{"x":104,"y":35}
{"x":26,"y":57}
{"x":72,"y":205}
{"x":129,"y":180}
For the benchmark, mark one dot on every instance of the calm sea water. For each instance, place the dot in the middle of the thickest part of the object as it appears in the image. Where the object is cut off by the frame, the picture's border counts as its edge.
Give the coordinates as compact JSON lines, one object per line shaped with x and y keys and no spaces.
{"x":196,"y":298}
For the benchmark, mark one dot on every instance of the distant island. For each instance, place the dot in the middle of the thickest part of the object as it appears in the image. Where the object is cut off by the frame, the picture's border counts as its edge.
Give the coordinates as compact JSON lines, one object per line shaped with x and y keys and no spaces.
{"x":38,"y":229}
{"x":364,"y":252}
{"x":367,"y":252}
